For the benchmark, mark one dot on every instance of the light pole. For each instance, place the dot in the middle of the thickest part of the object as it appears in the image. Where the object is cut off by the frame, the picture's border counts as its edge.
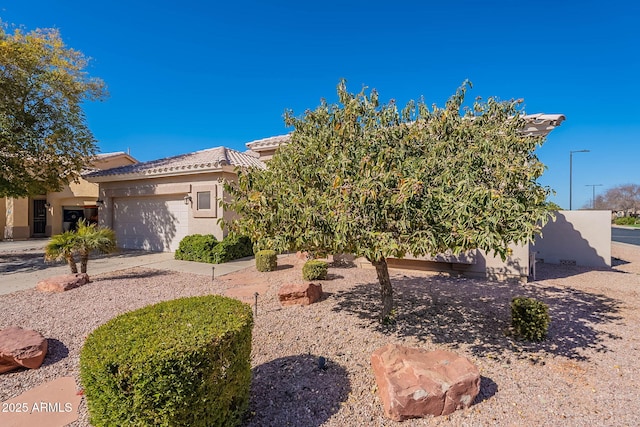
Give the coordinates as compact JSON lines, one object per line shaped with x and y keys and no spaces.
{"x":571,"y":174}
{"x":593,"y":197}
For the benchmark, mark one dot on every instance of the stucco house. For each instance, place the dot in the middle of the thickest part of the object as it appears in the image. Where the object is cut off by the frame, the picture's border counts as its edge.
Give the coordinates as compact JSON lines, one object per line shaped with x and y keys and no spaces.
{"x":153,"y":205}
{"x":52,"y":213}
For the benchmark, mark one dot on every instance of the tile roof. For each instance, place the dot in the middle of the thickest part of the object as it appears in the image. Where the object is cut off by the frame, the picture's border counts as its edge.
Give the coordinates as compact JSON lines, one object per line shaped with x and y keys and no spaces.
{"x":200,"y":161}
{"x":537,"y":124}
{"x":268,"y":143}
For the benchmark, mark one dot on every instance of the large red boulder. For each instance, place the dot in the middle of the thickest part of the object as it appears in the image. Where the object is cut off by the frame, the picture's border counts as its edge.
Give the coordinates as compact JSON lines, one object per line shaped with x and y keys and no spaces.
{"x":21,"y":348}
{"x":63,"y":283}
{"x":413,"y":382}
{"x":299,"y":293}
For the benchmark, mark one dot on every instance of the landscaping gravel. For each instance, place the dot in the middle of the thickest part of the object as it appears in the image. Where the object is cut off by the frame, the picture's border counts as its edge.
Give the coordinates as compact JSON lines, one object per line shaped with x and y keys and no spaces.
{"x":584,"y":374}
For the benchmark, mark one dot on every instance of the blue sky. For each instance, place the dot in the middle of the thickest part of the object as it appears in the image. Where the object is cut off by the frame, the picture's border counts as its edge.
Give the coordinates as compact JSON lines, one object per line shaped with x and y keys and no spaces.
{"x":190,"y":75}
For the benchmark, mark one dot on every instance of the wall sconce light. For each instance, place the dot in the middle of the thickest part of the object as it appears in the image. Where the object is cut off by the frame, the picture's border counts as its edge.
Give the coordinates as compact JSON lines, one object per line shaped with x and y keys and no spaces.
{"x":47,"y":205}
{"x":100,"y":203}
{"x":187,"y":199}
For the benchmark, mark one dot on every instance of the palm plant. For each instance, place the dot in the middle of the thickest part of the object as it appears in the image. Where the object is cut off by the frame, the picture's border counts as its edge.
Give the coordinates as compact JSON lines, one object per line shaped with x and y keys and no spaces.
{"x":87,"y":238}
{"x":61,"y":247}
{"x":90,"y":238}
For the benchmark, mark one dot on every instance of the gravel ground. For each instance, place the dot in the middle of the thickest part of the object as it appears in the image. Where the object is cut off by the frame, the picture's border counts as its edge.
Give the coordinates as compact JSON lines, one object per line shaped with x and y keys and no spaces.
{"x":584,"y":374}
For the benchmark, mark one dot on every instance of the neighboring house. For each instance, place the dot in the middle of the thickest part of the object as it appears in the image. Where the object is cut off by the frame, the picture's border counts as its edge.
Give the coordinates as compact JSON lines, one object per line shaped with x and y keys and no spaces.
{"x":153,"y":205}
{"x":52,"y":213}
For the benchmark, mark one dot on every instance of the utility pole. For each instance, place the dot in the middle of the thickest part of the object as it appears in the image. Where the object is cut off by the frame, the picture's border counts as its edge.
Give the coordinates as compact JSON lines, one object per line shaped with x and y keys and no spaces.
{"x":571,"y":174}
{"x":593,"y":197}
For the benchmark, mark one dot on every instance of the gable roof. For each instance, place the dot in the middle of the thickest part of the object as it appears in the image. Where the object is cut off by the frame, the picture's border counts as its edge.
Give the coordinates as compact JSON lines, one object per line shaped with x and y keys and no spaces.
{"x":210,"y":160}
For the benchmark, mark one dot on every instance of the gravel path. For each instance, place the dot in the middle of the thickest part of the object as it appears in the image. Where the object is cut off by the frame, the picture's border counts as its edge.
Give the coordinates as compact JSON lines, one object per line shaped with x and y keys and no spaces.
{"x":584,"y":374}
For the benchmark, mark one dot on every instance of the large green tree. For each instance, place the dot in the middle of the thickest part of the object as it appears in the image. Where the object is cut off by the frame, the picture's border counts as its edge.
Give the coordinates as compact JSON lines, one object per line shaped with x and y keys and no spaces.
{"x":369,"y":179}
{"x":44,"y":138}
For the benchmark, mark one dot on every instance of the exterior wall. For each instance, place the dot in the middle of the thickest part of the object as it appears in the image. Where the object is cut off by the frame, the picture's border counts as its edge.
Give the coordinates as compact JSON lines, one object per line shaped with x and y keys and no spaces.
{"x":17,"y":219}
{"x":577,"y":238}
{"x":3,"y":215}
{"x":81,"y":194}
{"x":199,"y":222}
{"x":475,"y":263}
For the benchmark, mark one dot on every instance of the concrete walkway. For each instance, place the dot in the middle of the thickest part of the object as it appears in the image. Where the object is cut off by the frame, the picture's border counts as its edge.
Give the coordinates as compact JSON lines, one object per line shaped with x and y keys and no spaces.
{"x":22,"y":264}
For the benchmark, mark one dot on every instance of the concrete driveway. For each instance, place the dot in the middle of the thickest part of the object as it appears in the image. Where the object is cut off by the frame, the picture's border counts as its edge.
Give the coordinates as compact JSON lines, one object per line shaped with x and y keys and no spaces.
{"x":22,"y":264}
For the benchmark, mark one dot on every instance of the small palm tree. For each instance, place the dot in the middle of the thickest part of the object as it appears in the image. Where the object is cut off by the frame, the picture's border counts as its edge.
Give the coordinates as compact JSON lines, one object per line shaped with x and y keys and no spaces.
{"x":61,"y":247}
{"x":85,"y":239}
{"x":90,"y":238}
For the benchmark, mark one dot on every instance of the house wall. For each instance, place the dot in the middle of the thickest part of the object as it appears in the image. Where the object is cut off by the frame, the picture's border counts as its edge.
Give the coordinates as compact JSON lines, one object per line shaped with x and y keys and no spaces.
{"x":577,"y":238}
{"x":199,"y":222}
{"x":17,"y":219}
{"x":475,"y":263}
{"x":3,"y":214}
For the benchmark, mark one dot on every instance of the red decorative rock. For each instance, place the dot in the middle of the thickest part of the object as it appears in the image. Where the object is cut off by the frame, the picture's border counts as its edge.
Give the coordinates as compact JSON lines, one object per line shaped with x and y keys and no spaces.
{"x":21,"y":348}
{"x":301,"y":294}
{"x":413,"y":382}
{"x":63,"y":283}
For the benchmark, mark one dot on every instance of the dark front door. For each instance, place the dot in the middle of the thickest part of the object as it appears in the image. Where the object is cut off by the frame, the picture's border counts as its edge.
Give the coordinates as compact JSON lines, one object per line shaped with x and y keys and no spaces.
{"x":39,"y":217}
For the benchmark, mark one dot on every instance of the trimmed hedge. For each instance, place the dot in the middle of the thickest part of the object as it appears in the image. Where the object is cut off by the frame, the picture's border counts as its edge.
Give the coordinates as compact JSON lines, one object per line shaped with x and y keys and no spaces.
{"x":196,"y":247}
{"x":315,"y":270}
{"x":232,"y":247}
{"x":530,"y":318}
{"x":205,"y":248}
{"x":184,"y":362}
{"x":626,"y":220}
{"x":266,"y":260}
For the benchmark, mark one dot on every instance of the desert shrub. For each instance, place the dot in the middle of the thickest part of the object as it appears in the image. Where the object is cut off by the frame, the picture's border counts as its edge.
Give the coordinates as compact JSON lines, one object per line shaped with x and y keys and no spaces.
{"x":529,"y":318}
{"x":315,"y":270}
{"x":184,"y":362}
{"x":205,"y":248}
{"x":196,"y":247}
{"x":626,"y":220}
{"x":266,"y":260}
{"x":232,"y":247}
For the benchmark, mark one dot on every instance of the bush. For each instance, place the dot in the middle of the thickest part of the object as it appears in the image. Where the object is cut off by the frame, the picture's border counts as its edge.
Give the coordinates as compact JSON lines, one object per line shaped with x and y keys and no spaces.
{"x":529,"y":318}
{"x":626,"y":220}
{"x":184,"y":362}
{"x":266,"y":260}
{"x":196,"y":247}
{"x":315,"y":270}
{"x":232,"y":247}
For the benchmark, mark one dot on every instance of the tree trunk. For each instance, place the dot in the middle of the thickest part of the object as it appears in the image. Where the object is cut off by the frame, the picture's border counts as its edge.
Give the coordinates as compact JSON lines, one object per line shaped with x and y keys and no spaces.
{"x":386,"y":291}
{"x":72,"y":264}
{"x":84,"y":260}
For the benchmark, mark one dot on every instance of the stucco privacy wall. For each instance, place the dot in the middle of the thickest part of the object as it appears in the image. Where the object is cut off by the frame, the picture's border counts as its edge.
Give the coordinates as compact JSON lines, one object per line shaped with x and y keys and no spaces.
{"x":577,"y":238}
{"x":474,"y":263}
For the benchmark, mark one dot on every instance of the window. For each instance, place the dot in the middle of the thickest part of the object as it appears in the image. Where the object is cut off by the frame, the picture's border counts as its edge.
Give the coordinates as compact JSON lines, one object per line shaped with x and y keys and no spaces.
{"x":204,"y":200}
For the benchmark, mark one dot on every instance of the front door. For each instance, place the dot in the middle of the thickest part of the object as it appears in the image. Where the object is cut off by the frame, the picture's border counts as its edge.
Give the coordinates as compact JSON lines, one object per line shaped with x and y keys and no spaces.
{"x":39,"y":217}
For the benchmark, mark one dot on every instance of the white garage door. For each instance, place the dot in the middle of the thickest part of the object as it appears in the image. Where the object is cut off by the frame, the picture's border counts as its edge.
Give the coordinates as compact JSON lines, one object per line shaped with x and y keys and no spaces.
{"x":154,"y":223}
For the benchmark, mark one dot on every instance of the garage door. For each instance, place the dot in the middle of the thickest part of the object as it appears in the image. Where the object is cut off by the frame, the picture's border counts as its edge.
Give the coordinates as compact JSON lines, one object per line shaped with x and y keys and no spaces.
{"x":152,"y":223}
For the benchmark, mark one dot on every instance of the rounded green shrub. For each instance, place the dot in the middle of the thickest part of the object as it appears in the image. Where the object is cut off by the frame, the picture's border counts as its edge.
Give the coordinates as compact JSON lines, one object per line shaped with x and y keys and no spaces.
{"x":315,"y":270}
{"x":196,"y":247}
{"x":266,"y":260}
{"x":529,"y":318}
{"x":232,"y":247}
{"x":184,"y":362}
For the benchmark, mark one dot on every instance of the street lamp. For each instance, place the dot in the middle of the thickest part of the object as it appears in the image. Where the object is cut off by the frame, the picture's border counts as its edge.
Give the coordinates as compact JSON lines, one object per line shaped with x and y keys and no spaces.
{"x":593,"y":197}
{"x":571,"y":174}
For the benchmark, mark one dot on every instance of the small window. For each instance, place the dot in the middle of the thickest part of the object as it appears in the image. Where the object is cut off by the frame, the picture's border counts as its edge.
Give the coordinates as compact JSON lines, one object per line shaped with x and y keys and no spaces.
{"x":204,"y":200}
